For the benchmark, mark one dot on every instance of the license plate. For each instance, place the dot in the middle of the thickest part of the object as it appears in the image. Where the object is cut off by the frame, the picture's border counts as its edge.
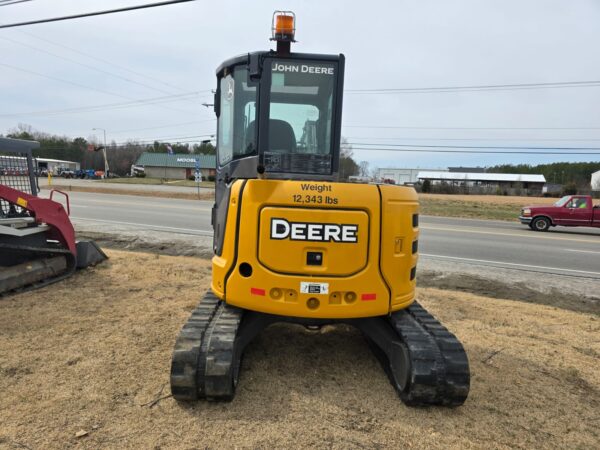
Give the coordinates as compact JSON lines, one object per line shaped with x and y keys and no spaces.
{"x":314,"y":288}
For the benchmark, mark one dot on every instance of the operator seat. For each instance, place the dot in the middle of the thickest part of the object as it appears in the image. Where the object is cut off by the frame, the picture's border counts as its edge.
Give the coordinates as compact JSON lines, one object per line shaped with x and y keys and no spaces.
{"x":281,"y":136}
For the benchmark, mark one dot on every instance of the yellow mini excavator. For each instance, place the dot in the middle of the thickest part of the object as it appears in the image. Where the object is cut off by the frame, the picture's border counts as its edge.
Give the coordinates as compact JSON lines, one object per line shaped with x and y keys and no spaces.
{"x":292,"y":244}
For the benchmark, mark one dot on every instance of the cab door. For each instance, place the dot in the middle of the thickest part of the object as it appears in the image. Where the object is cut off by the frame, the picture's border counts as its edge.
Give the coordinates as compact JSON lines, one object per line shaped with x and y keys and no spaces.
{"x":577,"y":212}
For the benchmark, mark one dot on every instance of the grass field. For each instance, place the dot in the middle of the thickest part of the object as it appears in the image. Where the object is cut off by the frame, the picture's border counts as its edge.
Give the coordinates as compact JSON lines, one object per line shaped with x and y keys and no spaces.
{"x":477,"y":206}
{"x":156,"y":181}
{"x":89,"y":368}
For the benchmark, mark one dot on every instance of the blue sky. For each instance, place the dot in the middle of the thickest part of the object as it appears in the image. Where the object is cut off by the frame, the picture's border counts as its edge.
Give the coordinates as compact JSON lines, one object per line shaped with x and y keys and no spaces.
{"x":173,"y":51}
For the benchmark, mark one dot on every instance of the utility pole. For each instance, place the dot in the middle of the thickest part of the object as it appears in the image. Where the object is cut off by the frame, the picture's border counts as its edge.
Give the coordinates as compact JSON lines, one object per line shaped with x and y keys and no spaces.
{"x":106,"y":168}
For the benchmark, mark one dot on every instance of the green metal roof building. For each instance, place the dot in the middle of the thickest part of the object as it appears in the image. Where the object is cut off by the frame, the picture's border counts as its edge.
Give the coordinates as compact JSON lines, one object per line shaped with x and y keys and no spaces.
{"x":177,"y":167}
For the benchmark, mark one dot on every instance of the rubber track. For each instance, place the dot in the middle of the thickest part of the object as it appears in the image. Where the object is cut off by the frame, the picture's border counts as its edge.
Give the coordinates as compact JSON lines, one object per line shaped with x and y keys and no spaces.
{"x":439,"y":372}
{"x":456,"y":364}
{"x":221,"y":371}
{"x":71,"y":265}
{"x":186,"y":385}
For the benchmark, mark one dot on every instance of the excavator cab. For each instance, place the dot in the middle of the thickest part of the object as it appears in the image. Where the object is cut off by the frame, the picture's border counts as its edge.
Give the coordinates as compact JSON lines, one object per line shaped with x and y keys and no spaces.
{"x":278,"y":117}
{"x":293,"y":244}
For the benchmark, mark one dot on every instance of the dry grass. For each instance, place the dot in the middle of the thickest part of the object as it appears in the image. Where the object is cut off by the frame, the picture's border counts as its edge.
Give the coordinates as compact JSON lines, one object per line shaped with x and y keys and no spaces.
{"x":125,"y":191}
{"x":91,"y":353}
{"x":492,"y":207}
{"x":492,"y":199}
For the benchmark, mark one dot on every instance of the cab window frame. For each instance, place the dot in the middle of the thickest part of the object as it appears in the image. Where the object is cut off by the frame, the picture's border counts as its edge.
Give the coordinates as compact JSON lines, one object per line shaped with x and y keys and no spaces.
{"x":265,"y":109}
{"x":238,"y":113}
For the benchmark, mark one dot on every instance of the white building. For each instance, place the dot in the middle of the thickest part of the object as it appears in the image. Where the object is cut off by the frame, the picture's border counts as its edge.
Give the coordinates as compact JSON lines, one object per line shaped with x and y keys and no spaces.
{"x":53,"y":166}
{"x":56,"y":165}
{"x":402,"y":176}
{"x":530,"y":182}
{"x":175,"y":167}
{"x":596,"y":181}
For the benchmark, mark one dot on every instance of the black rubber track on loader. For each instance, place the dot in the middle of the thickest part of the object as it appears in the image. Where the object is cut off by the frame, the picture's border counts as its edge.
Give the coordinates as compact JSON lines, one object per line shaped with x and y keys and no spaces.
{"x":40,"y":253}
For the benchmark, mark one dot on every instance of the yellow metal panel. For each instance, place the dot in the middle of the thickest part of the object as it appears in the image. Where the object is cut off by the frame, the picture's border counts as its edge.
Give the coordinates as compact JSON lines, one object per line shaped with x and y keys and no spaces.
{"x":399,"y":204}
{"x":221,"y":265}
{"x":289,"y":255}
{"x":355,"y":280}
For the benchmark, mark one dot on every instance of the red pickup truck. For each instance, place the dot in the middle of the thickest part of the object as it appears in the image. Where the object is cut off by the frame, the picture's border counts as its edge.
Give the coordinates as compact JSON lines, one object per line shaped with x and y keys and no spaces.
{"x":569,"y":211}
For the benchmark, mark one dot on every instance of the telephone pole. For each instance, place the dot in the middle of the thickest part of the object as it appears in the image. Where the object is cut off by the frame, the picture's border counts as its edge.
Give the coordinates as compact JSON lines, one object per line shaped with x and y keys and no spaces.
{"x":106,"y":168}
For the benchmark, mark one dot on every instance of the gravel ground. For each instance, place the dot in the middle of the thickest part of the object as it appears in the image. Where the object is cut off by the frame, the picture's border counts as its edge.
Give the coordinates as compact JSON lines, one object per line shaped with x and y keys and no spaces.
{"x":90,"y":357}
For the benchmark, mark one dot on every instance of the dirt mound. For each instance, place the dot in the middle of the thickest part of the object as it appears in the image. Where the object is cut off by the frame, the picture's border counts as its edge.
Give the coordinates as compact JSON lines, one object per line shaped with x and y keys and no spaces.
{"x":91,"y":357}
{"x":508,"y":290}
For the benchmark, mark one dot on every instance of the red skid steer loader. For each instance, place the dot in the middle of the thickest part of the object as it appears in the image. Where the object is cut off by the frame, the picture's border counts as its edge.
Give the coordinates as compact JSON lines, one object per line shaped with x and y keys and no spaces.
{"x":37,"y":239}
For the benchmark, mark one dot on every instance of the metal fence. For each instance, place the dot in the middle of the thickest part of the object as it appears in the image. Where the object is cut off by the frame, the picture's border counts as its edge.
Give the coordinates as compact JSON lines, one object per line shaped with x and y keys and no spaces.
{"x":17,"y":170}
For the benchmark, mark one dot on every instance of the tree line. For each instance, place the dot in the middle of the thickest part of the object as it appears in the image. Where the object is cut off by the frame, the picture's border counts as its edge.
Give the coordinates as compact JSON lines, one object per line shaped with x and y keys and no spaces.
{"x":576,"y":173}
{"x":120,"y":156}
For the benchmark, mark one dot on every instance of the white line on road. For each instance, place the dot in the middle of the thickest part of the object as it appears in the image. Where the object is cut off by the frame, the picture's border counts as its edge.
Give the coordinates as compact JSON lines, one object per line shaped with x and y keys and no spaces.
{"x":192,"y":206}
{"x":146,"y":207}
{"x":525,"y":234}
{"x":144,"y":225}
{"x":529,"y":266}
{"x":581,"y":251}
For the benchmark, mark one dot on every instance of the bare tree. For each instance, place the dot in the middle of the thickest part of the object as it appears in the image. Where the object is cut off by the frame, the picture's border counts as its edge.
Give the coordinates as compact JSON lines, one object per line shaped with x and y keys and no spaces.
{"x":364,"y":168}
{"x":348,"y":166}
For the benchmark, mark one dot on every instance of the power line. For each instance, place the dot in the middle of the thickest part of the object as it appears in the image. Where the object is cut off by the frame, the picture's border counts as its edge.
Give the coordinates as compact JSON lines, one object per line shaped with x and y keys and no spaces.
{"x":413,"y":150}
{"x":13,"y":2}
{"x":174,"y":139}
{"x":144,"y":143}
{"x":481,"y":146}
{"x":86,"y":65}
{"x":109,"y":106}
{"x":476,"y":139}
{"x":96,"y":13}
{"x":105,"y":61}
{"x":480,"y":149}
{"x":487,"y":87}
{"x":163,"y":126}
{"x":469,"y":128}
{"x":74,"y":83}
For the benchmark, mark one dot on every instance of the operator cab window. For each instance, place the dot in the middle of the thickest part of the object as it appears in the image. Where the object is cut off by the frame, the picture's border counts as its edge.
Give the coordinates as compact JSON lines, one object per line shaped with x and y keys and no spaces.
{"x":300,"y":117}
{"x":237,"y":118}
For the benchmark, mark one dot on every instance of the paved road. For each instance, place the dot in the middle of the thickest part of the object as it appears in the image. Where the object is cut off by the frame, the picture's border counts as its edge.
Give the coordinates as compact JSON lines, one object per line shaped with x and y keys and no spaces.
{"x":564,"y":251}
